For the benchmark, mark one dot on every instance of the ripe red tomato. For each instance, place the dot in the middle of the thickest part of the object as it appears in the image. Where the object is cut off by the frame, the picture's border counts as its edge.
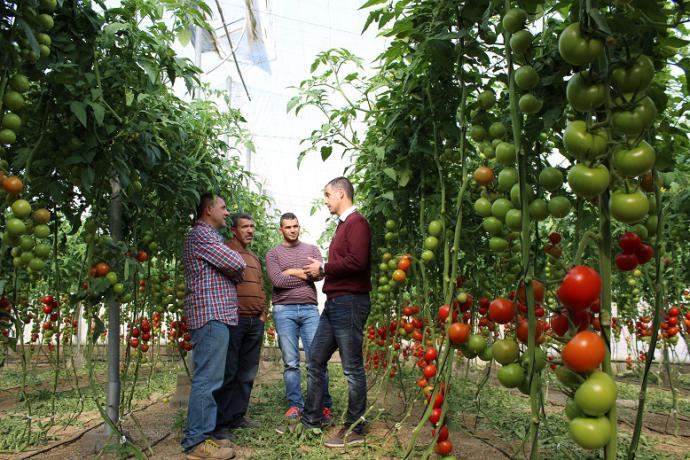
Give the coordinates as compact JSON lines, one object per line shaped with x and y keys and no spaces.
{"x":444,"y":447}
{"x":580,"y":287}
{"x":537,"y":288}
{"x":442,"y":433}
{"x":459,"y":333}
{"x":431,"y":354}
{"x":47,"y":309}
{"x":554,"y":238}
{"x":429,"y":371}
{"x":674,"y":311}
{"x":501,"y":311}
{"x":408,"y":311}
{"x":141,"y":256}
{"x":584,"y":352}
{"x":422,"y":382}
{"x":559,"y":324}
{"x":644,"y":253}
{"x":443,"y":312}
{"x":523,"y":330}
{"x":399,"y":276}
{"x":626,"y":262}
{"x":417,"y":335}
{"x":629,"y":242}
{"x":102,"y":269}
{"x":134,"y":342}
{"x":435,"y":416}
{"x":404,"y":264}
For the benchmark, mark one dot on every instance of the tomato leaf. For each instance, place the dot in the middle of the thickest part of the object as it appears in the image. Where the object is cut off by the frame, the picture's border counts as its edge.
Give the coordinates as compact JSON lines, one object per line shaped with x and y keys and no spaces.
{"x":28,"y":31}
{"x":390,"y":172}
{"x":372,"y":3}
{"x":98,"y":112}
{"x":600,"y":21}
{"x":404,"y":177}
{"x":98,"y":328}
{"x":326,"y":151}
{"x":79,"y":111}
{"x":292,"y":103}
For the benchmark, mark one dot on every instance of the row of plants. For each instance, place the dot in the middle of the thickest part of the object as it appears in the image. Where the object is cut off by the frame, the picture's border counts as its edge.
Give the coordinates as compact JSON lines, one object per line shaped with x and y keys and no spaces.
{"x":524,"y":168}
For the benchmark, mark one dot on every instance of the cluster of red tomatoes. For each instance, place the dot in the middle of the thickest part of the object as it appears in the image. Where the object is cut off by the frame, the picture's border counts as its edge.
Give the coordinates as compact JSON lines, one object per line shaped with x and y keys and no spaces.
{"x":634,"y":252}
{"x":673,"y":322}
{"x":179,"y":333}
{"x":141,"y":333}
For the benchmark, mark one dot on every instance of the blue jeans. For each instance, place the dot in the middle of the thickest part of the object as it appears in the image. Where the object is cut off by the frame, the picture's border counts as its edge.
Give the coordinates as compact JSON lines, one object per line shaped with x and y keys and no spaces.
{"x":341,"y":327}
{"x":210,"y":349}
{"x":292,"y":323}
{"x":241,"y":366}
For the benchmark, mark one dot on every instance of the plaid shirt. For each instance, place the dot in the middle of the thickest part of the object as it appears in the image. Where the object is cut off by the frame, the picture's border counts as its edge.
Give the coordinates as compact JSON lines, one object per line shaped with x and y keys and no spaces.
{"x":211,"y":269}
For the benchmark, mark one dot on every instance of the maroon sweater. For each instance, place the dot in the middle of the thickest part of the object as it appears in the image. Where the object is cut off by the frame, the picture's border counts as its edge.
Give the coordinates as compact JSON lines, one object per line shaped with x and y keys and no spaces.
{"x":348,"y":270}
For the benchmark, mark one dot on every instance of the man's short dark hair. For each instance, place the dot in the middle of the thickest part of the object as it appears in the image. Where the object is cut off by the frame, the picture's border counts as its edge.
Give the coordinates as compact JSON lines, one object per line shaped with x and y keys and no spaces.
{"x":287,"y":216}
{"x":205,"y":201}
{"x":240,"y":215}
{"x":344,"y":184}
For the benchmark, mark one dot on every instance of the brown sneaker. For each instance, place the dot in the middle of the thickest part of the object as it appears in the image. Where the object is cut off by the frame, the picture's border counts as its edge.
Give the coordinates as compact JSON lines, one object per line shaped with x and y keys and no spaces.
{"x":210,"y":449}
{"x":343,"y":438}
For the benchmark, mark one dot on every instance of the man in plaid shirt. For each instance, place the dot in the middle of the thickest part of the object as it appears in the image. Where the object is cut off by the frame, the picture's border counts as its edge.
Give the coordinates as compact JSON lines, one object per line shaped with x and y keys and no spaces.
{"x":212,"y":270}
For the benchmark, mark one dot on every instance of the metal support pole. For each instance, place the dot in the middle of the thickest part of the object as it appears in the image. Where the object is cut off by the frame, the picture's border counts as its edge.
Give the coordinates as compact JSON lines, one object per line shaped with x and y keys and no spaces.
{"x":113,"y":396}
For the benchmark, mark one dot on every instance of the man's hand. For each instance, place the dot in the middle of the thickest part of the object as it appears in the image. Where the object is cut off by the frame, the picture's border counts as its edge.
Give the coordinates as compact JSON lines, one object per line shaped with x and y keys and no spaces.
{"x":262,"y":317}
{"x":313,"y":268}
{"x":296,"y":272}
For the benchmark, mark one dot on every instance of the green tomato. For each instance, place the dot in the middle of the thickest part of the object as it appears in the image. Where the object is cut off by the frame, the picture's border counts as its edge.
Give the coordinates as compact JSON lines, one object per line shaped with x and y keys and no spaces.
{"x":427,"y":256}
{"x":521,"y":41}
{"x":588,"y":182}
{"x":492,"y":225}
{"x":486,"y":99}
{"x":633,"y":122}
{"x":583,"y":144}
{"x":530,"y":104}
{"x":513,"y":219}
{"x":36,"y":264}
{"x":511,"y":375}
{"x":539,"y":359}
{"x":13,"y":100}
{"x":584,"y":96}
{"x":651,"y":224}
{"x":21,"y":208}
{"x":497,"y":130}
{"x":41,"y":231}
{"x":551,"y":179}
{"x":515,"y":195}
{"x":431,"y":243}
{"x":597,"y":395}
{"x":15,"y":227}
{"x":641,"y":231}
{"x":391,"y":225}
{"x":577,"y":49}
{"x":572,"y":410}
{"x":476,"y":344}
{"x":26,"y":243}
{"x":567,"y":377}
{"x":634,"y":161}
{"x":505,"y":351}
{"x":634,"y":77}
{"x":11,"y":121}
{"x":526,"y":78}
{"x":500,"y":207}
{"x":497,"y":244}
{"x":478,"y":133}
{"x":111,"y":276}
{"x":435,"y":227}
{"x":514,"y":20}
{"x":590,"y":433}
{"x":488,"y":354}
{"x":507,"y":178}
{"x":538,"y":209}
{"x":482,"y":207}
{"x":19,"y":82}
{"x":506,"y":154}
{"x":629,"y":208}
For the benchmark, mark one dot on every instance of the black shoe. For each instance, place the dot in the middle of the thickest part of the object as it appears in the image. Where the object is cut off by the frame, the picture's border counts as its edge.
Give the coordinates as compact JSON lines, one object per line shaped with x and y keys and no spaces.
{"x":343,"y":438}
{"x":223,"y":433}
{"x":245,"y":422}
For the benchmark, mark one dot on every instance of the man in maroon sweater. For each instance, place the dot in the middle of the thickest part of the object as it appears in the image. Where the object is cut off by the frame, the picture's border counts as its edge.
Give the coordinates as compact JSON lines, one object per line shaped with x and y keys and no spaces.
{"x":341,"y":326}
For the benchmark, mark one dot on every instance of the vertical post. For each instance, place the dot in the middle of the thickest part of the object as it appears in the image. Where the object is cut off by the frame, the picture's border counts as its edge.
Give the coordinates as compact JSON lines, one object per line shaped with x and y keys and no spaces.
{"x":113,"y":396}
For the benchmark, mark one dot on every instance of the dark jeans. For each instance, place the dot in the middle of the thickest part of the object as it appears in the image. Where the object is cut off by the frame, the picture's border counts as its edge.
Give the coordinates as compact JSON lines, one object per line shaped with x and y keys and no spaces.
{"x":241,"y":366}
{"x":341,"y":327}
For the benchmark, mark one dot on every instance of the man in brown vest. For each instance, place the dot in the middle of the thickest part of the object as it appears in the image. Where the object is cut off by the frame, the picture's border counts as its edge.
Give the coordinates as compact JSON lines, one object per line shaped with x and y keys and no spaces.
{"x":246,"y":338}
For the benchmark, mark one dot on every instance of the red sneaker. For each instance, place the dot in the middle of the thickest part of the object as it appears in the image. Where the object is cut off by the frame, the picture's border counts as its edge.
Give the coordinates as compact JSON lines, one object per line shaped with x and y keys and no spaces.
{"x":327,"y":417}
{"x":292,"y":413}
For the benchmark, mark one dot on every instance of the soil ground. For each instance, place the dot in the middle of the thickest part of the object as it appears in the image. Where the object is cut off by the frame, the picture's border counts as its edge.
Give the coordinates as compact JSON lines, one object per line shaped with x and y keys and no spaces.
{"x":160,"y":429}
